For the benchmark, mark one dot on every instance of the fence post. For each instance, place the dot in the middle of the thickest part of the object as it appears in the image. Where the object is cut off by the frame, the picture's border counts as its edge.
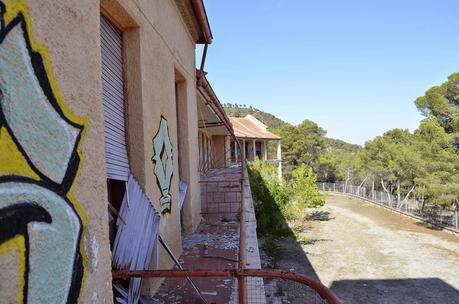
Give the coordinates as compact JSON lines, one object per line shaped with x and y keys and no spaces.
{"x":456,"y":217}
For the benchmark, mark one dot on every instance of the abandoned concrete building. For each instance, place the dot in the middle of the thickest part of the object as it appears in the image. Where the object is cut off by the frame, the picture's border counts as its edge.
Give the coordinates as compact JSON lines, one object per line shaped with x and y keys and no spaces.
{"x":114,"y":148}
{"x":255,"y":139}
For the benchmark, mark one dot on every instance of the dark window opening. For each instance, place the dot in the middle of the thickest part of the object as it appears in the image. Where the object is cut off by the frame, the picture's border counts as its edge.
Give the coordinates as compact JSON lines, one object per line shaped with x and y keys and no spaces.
{"x":116,"y":190}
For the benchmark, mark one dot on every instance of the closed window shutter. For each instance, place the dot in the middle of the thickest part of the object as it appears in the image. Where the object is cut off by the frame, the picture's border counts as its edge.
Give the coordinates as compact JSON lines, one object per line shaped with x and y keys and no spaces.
{"x":116,"y":157}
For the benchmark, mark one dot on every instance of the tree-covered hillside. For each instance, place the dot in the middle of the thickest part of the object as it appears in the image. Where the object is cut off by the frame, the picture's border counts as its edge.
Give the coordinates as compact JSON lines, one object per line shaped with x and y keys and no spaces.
{"x":305,"y":143}
{"x":268,"y":119}
{"x":423,"y":164}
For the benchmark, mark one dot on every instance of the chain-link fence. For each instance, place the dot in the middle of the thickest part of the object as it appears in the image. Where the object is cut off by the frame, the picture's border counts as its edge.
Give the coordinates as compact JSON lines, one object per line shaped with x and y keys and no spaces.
{"x":435,"y":215}
{"x":286,"y":291}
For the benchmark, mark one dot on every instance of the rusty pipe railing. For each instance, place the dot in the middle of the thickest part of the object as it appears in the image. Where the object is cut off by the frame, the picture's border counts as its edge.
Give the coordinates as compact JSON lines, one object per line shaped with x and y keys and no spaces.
{"x":324,"y":292}
{"x":203,"y":85}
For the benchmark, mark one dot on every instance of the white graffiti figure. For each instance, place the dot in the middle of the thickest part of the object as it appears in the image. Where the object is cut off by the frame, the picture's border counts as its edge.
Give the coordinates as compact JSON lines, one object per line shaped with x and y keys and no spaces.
{"x":38,"y":209}
{"x":164,"y":165}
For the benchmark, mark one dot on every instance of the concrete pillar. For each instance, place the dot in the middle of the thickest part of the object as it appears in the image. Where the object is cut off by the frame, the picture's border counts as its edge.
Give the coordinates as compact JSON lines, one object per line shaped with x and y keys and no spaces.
{"x":208,"y":153}
{"x":204,"y":142}
{"x":227,"y":151}
{"x":200,"y":147}
{"x":201,"y":152}
{"x":212,"y":152}
{"x":243,"y":149}
{"x":254,"y":150}
{"x":211,"y":158}
{"x":265,"y":150}
{"x":279,"y":159}
{"x":279,"y":150}
{"x":235,"y":151}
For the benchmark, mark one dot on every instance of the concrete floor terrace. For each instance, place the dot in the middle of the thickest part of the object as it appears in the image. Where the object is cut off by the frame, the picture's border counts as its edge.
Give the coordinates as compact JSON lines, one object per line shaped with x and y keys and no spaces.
{"x":215,"y":243}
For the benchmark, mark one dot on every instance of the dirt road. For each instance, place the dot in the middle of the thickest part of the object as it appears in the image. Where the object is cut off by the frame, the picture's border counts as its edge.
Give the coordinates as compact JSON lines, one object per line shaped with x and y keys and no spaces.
{"x":367,"y":254}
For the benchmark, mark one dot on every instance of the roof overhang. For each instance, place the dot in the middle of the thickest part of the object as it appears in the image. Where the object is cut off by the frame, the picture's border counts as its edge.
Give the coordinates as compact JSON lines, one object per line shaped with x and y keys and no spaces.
{"x":203,"y":21}
{"x":251,"y":128}
{"x":195,"y":17}
{"x":212,"y":105}
{"x":208,"y":121}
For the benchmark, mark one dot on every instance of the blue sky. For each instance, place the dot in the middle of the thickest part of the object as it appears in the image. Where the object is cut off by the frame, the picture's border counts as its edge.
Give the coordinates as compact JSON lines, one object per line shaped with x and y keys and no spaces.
{"x":354,"y":67}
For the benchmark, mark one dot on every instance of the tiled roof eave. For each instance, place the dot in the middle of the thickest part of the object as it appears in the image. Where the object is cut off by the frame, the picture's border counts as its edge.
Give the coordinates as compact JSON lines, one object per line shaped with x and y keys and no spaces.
{"x":245,"y":129}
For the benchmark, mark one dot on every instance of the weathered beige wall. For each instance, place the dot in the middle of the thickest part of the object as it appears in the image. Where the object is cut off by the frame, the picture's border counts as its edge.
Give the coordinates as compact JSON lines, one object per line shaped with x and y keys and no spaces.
{"x":218,"y":142}
{"x":157,"y":44}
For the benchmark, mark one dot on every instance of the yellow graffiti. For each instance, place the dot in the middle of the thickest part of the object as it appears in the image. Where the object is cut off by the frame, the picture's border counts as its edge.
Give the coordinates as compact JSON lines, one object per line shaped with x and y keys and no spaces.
{"x":17,"y":243}
{"x":11,"y":159}
{"x":15,"y":7}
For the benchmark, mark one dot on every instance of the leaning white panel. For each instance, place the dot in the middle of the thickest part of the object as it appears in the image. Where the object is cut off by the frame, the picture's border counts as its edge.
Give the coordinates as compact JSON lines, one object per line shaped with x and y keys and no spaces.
{"x":135,"y":240}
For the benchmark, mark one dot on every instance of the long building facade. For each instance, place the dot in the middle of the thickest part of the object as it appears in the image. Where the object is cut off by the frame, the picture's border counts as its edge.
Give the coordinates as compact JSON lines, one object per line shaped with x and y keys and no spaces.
{"x":106,"y":128}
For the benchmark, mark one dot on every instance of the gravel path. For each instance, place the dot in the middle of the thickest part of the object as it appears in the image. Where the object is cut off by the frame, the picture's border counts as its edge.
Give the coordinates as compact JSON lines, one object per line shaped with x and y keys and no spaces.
{"x":367,"y":254}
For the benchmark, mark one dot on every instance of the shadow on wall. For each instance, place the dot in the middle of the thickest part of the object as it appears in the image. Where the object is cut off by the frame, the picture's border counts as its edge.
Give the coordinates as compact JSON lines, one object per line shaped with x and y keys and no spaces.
{"x":397,"y":291}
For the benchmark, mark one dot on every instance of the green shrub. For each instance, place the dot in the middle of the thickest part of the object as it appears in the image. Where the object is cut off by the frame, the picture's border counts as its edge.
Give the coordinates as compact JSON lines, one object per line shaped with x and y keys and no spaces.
{"x":304,"y":187}
{"x":276,"y":201}
{"x":270,"y":198}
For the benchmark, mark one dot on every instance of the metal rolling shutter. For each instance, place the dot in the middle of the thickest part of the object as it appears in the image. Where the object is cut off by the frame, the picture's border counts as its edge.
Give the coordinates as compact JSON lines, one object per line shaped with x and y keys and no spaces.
{"x":116,"y":157}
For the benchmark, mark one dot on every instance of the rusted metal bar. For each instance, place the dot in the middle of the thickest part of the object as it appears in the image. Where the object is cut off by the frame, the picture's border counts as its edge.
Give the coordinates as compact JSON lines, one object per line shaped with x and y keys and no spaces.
{"x":205,"y":88}
{"x":115,"y":212}
{"x":204,"y":55}
{"x":242,"y":282}
{"x":220,"y":158}
{"x":321,"y":289}
{"x":242,"y":290}
{"x":126,"y":274}
{"x":179,"y":266}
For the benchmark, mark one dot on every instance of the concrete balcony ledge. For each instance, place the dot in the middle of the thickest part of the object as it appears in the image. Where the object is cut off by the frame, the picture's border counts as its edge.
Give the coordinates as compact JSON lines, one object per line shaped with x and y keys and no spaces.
{"x":255,"y":286}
